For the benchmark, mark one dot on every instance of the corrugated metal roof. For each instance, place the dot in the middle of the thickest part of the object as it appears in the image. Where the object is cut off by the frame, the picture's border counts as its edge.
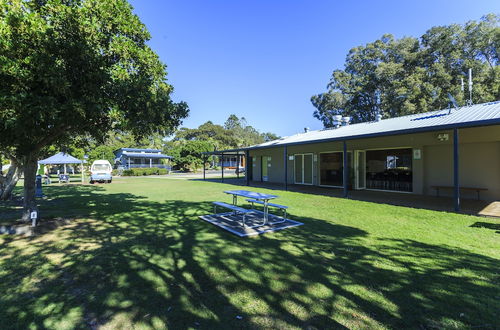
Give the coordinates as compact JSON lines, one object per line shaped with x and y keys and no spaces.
{"x":138,"y":150}
{"x":475,"y":115}
{"x":145,"y":155}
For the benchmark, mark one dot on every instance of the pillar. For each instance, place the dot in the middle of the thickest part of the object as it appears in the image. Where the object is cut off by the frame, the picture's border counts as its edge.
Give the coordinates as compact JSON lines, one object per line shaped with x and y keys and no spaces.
{"x":285,"y":159}
{"x":247,"y":165}
{"x":222,"y":166}
{"x":456,"y":176}
{"x":345,"y":171}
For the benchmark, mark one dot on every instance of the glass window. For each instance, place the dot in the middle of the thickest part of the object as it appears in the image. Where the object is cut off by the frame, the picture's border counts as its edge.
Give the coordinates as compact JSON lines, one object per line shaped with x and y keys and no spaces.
{"x":389,"y":169}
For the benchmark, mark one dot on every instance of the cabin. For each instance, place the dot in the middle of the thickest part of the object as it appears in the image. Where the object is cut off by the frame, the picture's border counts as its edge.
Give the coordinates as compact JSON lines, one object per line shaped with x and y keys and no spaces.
{"x":451,"y":152}
{"x":128,"y":158}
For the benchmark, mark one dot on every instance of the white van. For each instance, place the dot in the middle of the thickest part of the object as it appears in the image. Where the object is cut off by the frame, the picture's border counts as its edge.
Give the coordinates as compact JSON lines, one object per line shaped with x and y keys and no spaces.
{"x":100,"y":171}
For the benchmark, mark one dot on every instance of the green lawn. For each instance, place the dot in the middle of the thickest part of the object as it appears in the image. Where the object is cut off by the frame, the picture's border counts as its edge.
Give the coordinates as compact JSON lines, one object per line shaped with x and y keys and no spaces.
{"x":136,"y":255}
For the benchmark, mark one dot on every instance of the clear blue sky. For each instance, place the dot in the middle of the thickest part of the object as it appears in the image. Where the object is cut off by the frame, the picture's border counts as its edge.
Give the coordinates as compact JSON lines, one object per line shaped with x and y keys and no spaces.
{"x":263,"y":60}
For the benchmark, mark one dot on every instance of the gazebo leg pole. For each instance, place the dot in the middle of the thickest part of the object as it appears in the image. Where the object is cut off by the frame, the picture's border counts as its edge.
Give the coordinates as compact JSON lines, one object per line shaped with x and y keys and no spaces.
{"x":81,"y":166}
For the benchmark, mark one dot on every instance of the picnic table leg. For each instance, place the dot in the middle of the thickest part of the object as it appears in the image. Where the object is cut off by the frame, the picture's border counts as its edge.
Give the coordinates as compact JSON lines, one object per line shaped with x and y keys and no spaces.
{"x":266,"y":210}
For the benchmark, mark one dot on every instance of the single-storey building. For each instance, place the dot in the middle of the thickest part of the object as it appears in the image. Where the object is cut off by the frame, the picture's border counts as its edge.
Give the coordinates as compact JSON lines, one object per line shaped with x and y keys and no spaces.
{"x":454,"y":152}
{"x":135,"y":158}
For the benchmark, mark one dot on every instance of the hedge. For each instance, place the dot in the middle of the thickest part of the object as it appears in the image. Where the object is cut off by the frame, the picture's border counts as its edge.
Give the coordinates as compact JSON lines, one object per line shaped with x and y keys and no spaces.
{"x":144,"y":171}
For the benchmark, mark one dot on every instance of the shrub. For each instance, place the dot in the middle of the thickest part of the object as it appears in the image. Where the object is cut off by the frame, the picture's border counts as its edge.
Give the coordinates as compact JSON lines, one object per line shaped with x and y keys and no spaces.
{"x":144,"y":171}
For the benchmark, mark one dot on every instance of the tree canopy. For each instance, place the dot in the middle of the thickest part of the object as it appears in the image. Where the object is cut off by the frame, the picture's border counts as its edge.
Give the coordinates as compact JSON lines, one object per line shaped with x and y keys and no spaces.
{"x":77,"y":69}
{"x":188,"y":143}
{"x":411,"y":75}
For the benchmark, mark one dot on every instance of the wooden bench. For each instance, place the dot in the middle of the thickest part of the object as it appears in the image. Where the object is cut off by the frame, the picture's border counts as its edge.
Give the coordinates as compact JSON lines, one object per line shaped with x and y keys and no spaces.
{"x":478,"y":190}
{"x":278,"y":206}
{"x":235,"y":208}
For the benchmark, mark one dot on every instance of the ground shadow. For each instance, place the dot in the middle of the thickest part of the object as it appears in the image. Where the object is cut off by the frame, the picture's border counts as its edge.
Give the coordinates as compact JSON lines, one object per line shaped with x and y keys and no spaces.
{"x":155,"y":263}
{"x":489,"y":225}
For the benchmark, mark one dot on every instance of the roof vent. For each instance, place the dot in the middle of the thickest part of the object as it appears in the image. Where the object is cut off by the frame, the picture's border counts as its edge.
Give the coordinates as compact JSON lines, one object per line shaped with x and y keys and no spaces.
{"x":306,"y":129}
{"x":337,"y":121}
{"x":346,"y":121}
{"x":378,"y":116}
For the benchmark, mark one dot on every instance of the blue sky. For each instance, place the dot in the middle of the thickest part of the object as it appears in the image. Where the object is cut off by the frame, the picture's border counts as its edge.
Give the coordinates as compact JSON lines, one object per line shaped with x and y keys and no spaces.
{"x":263,"y":60}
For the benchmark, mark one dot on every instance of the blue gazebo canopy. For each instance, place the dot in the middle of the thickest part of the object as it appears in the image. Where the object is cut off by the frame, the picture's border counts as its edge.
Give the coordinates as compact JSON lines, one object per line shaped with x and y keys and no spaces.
{"x":60,"y":158}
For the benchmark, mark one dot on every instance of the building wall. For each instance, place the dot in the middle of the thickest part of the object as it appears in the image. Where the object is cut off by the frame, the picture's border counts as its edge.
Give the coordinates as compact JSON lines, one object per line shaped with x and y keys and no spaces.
{"x":479,"y":159}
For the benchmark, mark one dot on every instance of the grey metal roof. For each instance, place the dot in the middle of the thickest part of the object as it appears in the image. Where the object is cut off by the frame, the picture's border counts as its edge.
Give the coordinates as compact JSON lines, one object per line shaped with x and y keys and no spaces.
{"x":138,"y":150}
{"x":145,"y":155}
{"x":476,"y":115}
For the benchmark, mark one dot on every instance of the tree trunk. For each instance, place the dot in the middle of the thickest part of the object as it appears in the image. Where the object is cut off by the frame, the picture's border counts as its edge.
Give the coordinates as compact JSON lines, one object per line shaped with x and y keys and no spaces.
{"x":8,"y":182}
{"x":29,"y":202}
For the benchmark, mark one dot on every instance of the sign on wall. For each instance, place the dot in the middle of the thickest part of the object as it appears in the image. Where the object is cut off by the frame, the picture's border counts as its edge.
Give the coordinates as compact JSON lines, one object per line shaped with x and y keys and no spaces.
{"x":417,"y":154}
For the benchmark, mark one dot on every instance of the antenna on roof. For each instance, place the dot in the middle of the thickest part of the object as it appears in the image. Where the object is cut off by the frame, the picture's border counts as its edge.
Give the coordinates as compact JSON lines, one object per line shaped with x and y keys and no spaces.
{"x":452,"y":102}
{"x":469,"y":102}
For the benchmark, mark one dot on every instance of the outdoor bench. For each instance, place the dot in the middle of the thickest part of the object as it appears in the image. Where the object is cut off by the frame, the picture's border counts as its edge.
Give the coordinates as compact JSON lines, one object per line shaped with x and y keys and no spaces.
{"x":278,"y":206}
{"x":478,"y":190}
{"x":63,"y":178}
{"x":235,"y":208}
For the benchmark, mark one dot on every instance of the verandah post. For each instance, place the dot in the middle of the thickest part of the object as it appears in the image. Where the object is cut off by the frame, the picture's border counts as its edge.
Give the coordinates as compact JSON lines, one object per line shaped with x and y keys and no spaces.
{"x":345,"y":171}
{"x":456,"y":176}
{"x":238,"y":164}
{"x":222,"y":166}
{"x":285,"y":159}
{"x":204,"y":167}
{"x":247,"y":176}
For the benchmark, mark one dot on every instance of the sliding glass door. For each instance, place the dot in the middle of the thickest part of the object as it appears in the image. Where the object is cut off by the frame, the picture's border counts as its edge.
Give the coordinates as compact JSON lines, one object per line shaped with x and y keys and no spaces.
{"x":360,"y":169}
{"x":303,"y":167}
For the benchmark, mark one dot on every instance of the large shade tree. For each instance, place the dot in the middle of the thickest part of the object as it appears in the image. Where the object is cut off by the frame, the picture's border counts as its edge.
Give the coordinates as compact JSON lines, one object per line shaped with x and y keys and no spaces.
{"x":397,"y":77}
{"x":73,"y":68}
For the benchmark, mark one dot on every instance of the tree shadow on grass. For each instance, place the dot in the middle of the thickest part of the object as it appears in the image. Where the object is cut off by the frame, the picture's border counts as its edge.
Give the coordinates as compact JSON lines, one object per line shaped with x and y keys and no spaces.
{"x":489,"y":225}
{"x":133,"y":261}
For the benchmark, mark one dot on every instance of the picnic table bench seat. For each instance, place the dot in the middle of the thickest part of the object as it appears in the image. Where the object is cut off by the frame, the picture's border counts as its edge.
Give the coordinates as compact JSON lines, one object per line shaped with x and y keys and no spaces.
{"x":477,"y":190}
{"x":235,"y":208}
{"x":278,"y":206}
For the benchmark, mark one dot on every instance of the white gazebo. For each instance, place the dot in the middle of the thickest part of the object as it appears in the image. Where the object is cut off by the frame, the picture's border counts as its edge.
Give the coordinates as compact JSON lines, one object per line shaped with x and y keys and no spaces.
{"x":62,"y":158}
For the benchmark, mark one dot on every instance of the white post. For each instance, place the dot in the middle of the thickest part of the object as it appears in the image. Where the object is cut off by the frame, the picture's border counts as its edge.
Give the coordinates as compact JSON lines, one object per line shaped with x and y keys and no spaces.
{"x":65,"y":169}
{"x":150,"y":162}
{"x":129,"y":163}
{"x":81,"y":166}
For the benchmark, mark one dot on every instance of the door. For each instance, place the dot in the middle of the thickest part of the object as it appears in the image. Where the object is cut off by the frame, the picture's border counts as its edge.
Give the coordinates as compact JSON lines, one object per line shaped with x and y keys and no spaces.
{"x":360,"y":169}
{"x":299,"y":170}
{"x":303,"y":164}
{"x":265,"y":166}
{"x":308,"y":168}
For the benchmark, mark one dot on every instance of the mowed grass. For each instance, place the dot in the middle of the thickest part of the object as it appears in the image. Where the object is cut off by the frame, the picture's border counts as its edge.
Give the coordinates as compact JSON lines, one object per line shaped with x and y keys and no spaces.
{"x":136,"y":255}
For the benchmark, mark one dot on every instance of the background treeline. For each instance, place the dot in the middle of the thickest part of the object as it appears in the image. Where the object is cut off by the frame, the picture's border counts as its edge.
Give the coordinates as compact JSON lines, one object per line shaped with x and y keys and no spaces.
{"x":188,"y":143}
{"x":412,"y":75}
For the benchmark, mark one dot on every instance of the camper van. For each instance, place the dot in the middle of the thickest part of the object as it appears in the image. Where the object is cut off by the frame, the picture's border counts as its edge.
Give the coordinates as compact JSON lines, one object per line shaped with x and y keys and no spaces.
{"x":100,"y":171}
